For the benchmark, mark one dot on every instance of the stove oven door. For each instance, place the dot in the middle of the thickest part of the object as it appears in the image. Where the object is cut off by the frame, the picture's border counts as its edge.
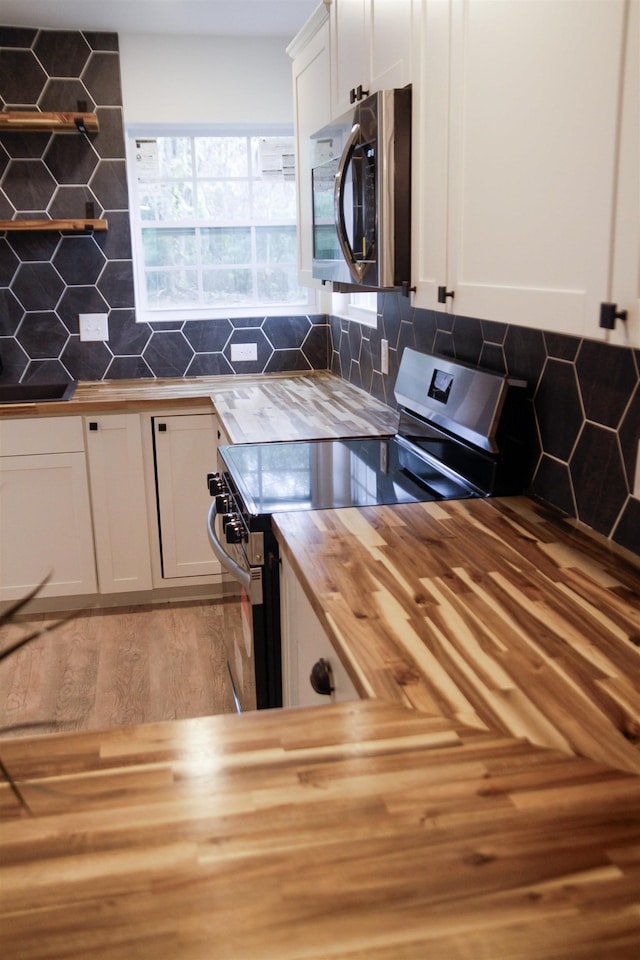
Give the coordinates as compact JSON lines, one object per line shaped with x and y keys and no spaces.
{"x":253,"y":656}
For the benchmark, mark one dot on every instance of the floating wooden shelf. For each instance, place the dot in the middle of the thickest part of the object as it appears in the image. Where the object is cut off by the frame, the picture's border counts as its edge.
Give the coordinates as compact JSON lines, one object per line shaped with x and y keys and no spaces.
{"x":73,"y":226}
{"x":27,"y":121}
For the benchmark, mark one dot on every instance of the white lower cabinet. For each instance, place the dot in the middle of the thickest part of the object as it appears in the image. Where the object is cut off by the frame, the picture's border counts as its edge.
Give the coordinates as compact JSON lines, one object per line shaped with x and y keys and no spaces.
{"x":45,"y":515}
{"x":185,"y":451}
{"x":121,"y":530}
{"x":304,"y":644}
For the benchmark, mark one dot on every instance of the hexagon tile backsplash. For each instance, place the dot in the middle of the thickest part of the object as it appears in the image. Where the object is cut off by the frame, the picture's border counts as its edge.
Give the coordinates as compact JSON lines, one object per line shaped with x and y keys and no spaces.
{"x":585,"y":396}
{"x":47,"y":279}
{"x":584,"y":425}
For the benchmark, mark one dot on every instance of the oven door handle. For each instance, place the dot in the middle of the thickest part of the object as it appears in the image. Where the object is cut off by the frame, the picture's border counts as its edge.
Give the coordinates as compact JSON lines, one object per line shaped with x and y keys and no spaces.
{"x":239,"y":573}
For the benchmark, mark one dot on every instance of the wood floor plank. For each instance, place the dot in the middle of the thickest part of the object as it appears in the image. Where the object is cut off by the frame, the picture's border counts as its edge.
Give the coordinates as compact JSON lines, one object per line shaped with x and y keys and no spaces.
{"x":110,"y":668}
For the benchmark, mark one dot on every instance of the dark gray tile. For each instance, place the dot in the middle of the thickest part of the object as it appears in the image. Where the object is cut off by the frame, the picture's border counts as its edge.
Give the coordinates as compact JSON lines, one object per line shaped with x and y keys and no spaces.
{"x":209,"y":365}
{"x":14,"y":360}
{"x":607,"y":376}
{"x":67,"y":94}
{"x":552,"y":483}
{"x":86,"y":360}
{"x":208,"y":336}
{"x":37,"y":286}
{"x":77,"y":300}
{"x":558,"y":409}
{"x":109,"y":183}
{"x":28,"y":184}
{"x":128,"y":368}
{"x":11,"y":313}
{"x":627,"y":532}
{"x":126,"y":337}
{"x":79,"y":260}
{"x":42,"y":335}
{"x":596,"y":457}
{"x":282,"y":361}
{"x":22,"y":79}
{"x":62,"y":53}
{"x":116,"y":284}
{"x":286,"y":332}
{"x":70,"y":159}
{"x":168,"y":354}
{"x":102,"y":78}
{"x":8,"y":263}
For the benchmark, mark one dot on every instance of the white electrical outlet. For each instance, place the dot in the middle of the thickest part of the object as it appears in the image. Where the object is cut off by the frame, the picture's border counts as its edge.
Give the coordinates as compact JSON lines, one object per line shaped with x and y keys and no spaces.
{"x":636,"y":486}
{"x":244,"y":351}
{"x":384,"y":356}
{"x":94,"y":326}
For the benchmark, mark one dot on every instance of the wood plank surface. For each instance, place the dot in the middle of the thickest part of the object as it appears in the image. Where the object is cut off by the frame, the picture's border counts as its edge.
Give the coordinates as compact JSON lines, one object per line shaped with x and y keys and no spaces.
{"x":308,"y":406}
{"x":354,"y":831}
{"x":117,"y":666}
{"x":492,"y":612}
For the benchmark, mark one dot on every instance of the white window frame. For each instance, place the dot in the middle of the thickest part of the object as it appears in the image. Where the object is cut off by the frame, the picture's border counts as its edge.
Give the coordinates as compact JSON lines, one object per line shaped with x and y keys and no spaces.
{"x":144,"y":314}
{"x":361,"y":307}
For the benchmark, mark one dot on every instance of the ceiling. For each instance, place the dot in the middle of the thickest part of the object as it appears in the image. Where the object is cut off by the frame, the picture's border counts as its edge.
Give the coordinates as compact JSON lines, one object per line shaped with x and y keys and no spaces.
{"x":281,"y":18}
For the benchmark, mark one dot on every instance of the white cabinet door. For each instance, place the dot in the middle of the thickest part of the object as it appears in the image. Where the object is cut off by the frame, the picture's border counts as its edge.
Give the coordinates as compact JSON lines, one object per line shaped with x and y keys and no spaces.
{"x":370,"y":47}
{"x":45,"y":517}
{"x":185,"y":450}
{"x":312,"y":110}
{"x":530,"y":165}
{"x":304,"y":643}
{"x":116,"y":472}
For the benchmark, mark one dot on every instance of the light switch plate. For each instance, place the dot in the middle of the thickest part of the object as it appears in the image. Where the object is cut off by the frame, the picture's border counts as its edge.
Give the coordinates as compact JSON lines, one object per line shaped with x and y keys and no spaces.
{"x":94,"y":326}
{"x":384,"y":356}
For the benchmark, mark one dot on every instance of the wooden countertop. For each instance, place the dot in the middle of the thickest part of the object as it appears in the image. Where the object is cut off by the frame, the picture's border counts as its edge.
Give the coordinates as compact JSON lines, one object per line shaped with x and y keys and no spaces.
{"x":270,"y":407}
{"x":493,"y":612}
{"x":353,"y":832}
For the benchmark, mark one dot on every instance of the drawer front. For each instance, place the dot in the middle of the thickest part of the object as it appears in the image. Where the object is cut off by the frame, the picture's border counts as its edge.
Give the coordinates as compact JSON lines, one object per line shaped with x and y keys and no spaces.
{"x":41,"y":435}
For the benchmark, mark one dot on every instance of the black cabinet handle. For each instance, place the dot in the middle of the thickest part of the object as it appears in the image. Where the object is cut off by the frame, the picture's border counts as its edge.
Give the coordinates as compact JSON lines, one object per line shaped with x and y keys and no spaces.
{"x":609,"y":313}
{"x":162,"y":428}
{"x":443,"y":293}
{"x":93,"y":425}
{"x":321,"y":678}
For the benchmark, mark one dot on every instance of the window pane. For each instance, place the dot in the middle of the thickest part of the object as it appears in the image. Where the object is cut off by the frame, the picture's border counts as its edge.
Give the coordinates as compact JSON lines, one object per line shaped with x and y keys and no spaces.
{"x":168,"y":287}
{"x":280,"y":286}
{"x":226,"y":245}
{"x":168,"y":248}
{"x":228,"y":286}
{"x":226,"y":202}
{"x":166,"y":201}
{"x":275,"y":244}
{"x":274,"y":201}
{"x":174,"y":157}
{"x":221,"y":157}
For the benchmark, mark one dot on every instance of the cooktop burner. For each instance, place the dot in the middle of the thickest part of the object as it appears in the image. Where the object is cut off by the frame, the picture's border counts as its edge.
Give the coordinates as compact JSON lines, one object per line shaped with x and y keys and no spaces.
{"x":323,"y":474}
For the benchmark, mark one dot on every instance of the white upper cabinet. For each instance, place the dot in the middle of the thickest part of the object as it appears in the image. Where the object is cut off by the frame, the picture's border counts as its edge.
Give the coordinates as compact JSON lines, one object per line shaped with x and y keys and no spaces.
{"x":370,"y":48}
{"x":525,"y":185}
{"x":312,"y":111}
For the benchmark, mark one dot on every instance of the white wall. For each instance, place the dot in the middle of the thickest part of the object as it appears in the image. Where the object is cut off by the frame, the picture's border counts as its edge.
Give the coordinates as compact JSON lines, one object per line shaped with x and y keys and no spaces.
{"x":200,"y":80}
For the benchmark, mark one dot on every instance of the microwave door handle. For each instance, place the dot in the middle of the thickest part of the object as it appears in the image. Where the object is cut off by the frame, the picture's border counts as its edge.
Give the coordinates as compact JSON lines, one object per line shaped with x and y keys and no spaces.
{"x":228,"y":563}
{"x":356,"y":269}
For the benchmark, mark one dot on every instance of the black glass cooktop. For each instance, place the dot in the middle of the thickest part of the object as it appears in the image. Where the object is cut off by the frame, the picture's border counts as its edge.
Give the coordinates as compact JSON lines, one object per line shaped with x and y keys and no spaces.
{"x":322,"y":474}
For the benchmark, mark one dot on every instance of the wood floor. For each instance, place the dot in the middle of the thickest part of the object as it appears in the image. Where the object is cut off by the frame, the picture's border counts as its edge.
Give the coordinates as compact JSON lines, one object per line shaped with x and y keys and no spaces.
{"x":112,"y":668}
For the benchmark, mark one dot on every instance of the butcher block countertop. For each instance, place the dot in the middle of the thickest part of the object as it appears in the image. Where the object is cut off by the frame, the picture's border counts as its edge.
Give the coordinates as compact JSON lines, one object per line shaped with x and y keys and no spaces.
{"x":359,"y":831}
{"x":493,"y":612}
{"x":294,"y":406}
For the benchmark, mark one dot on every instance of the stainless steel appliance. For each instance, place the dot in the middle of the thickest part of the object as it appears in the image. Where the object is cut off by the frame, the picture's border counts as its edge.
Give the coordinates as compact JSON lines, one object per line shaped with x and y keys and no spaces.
{"x":360,"y":178}
{"x":460,"y":435}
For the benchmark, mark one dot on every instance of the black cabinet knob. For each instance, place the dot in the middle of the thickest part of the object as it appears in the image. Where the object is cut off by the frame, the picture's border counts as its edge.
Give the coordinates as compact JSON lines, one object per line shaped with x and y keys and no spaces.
{"x":321,"y":678}
{"x":443,"y":293}
{"x":93,"y":425}
{"x":609,"y":313}
{"x":162,"y":428}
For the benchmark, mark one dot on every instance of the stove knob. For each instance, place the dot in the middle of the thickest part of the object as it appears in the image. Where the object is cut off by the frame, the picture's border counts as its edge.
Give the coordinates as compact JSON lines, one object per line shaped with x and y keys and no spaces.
{"x":223,"y":503}
{"x":234,"y":530}
{"x":215,"y":483}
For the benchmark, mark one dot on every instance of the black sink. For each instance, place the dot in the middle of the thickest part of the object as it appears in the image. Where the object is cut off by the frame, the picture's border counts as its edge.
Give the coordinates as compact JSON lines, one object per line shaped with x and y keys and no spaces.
{"x":36,"y":392}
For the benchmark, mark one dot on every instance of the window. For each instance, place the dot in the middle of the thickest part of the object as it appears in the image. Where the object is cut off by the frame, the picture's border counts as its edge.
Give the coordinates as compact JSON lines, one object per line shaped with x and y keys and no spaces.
{"x":214,"y":226}
{"x":362,"y":307}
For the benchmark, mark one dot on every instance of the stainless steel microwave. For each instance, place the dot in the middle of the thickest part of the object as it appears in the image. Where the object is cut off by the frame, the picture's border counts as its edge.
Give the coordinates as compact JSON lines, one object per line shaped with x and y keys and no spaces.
{"x":361,"y":190}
